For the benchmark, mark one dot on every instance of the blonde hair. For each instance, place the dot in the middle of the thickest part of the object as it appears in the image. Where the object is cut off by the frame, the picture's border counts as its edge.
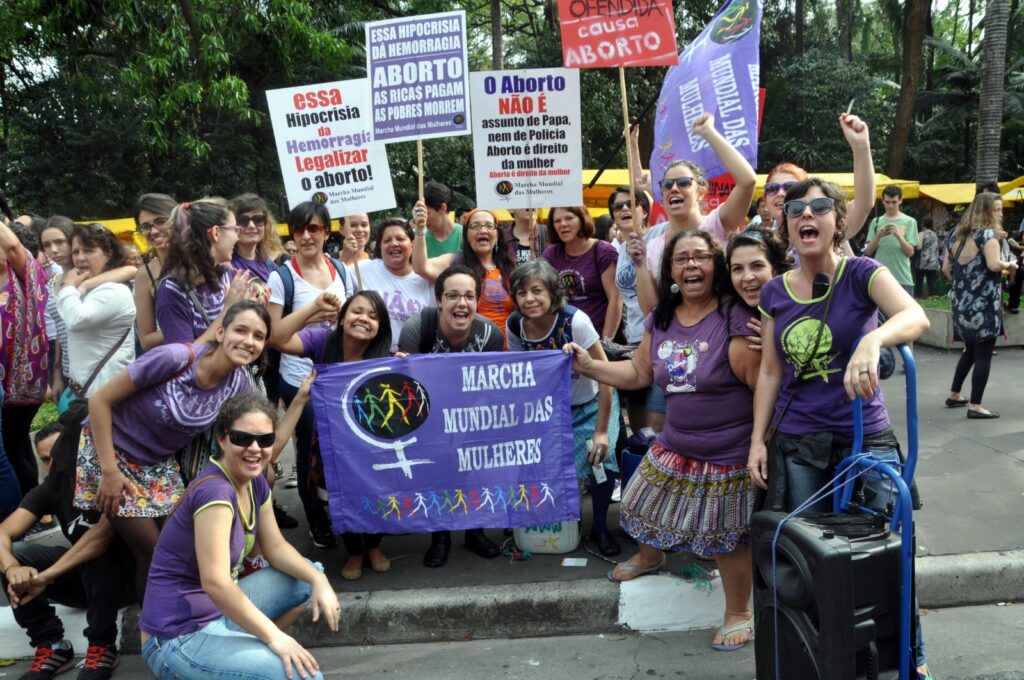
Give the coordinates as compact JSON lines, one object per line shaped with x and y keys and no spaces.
{"x":980,"y":214}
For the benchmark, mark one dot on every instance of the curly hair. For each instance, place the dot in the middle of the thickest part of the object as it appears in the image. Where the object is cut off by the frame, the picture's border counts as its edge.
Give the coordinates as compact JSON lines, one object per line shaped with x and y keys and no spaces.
{"x":189,"y":257}
{"x":769,"y":243}
{"x":980,"y":214}
{"x":235,"y":408}
{"x":97,"y":236}
{"x":721,"y":284}
{"x":831,"y":191}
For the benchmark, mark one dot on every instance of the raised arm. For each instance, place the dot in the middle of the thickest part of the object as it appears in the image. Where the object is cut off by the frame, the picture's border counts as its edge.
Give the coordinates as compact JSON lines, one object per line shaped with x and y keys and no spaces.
{"x":428,"y":268}
{"x":16,"y":254}
{"x":734,"y":211}
{"x":855,"y":131}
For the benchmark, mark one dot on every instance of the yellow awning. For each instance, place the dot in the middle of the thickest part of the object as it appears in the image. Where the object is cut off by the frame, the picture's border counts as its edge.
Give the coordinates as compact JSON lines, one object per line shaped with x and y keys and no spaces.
{"x":963,"y":192}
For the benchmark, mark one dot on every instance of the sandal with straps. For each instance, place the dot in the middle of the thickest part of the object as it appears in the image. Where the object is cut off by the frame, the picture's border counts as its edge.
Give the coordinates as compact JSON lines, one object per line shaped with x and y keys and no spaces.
{"x":727,"y":631}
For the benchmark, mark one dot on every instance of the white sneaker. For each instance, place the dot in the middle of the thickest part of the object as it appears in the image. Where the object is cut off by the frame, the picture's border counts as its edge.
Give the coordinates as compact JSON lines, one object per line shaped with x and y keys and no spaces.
{"x":617,"y":491}
{"x":293,"y":479}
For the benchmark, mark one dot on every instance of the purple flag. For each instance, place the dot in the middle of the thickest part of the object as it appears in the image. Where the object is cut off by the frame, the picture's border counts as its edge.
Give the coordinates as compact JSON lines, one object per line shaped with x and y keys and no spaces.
{"x":718,"y":73}
{"x":447,"y":441}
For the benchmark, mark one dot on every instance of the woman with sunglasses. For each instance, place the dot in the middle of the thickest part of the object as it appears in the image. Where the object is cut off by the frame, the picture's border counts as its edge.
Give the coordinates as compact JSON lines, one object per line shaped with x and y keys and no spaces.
{"x":150,"y":410}
{"x":199,"y":614}
{"x":692,"y":490}
{"x":152,"y":212}
{"x":309,"y":274}
{"x":258,"y":244}
{"x":484,"y":251}
{"x":785,"y":176}
{"x":198,"y":284}
{"x":809,"y":369}
{"x":361,"y":332}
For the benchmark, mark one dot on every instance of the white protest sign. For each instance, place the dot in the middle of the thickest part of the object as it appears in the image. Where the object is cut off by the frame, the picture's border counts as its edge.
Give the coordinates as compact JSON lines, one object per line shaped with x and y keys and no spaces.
{"x":527,"y":138}
{"x":418,"y":76}
{"x":322,"y":134}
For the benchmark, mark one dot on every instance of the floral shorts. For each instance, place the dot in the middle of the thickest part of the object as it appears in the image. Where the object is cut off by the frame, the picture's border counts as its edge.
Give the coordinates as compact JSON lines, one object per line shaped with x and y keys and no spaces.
{"x":157,"y":487}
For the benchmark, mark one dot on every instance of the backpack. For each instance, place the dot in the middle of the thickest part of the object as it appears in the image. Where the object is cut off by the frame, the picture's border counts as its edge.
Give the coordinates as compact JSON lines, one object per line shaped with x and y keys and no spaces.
{"x":285,"y":272}
{"x":428,"y":329}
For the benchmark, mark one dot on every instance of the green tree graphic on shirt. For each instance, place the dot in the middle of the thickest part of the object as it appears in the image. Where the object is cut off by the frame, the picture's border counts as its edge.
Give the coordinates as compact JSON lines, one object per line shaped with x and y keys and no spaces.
{"x":798,"y":342}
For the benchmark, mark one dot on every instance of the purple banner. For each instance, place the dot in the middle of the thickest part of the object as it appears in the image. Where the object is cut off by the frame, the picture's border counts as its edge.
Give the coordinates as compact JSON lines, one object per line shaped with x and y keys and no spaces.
{"x":447,"y":441}
{"x":717,"y":73}
{"x":419,"y":80}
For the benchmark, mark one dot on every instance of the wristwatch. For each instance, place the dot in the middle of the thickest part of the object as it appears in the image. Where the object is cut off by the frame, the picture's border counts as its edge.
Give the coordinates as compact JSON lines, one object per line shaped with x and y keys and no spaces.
{"x":278,"y":469}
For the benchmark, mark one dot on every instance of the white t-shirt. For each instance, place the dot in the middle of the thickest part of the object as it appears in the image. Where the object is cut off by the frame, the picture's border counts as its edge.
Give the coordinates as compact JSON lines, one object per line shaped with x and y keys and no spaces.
{"x":625,"y":281}
{"x":95,"y":322}
{"x":582,"y":390}
{"x":712,"y":223}
{"x":404,"y":296}
{"x":295,"y":369}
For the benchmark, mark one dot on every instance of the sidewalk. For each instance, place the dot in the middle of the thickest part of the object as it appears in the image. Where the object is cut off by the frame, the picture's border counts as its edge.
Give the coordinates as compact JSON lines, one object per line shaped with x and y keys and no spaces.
{"x":970,"y":545}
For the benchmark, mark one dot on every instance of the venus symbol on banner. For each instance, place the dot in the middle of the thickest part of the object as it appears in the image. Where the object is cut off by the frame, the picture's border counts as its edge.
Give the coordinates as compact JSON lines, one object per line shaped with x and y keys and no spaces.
{"x":373,"y":413}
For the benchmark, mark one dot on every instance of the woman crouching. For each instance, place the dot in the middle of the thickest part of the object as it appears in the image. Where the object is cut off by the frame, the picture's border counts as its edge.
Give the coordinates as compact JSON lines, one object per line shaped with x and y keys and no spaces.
{"x":197,"y":618}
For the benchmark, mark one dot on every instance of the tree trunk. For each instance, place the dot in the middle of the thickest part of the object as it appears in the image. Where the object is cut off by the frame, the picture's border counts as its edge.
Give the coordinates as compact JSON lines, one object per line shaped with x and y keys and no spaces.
{"x":798,"y":19}
{"x":915,"y":15}
{"x":990,"y":105}
{"x":497,"y":54}
{"x":844,"y":22}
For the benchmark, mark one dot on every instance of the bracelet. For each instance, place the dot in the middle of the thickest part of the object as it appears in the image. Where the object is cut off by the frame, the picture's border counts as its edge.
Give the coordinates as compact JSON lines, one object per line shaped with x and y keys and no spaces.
{"x":420,"y":232}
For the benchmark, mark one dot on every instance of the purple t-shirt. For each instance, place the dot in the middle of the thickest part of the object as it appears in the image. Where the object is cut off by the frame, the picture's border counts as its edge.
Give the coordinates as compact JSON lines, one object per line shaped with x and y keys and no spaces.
{"x":582,"y":277}
{"x":819,"y":402}
{"x":691,"y":363}
{"x":314,"y":343}
{"x":166,"y":413}
{"x":259,"y":268}
{"x":176,"y":603}
{"x":177,"y":316}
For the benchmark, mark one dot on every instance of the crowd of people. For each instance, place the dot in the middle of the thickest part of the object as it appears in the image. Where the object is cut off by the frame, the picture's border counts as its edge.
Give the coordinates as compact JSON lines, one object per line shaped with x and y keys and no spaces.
{"x":705,"y":326}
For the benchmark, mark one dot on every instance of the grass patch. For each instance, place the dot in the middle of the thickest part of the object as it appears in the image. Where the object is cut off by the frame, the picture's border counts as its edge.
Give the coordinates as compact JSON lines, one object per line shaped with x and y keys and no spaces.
{"x":46,"y":414}
{"x":937,"y":302}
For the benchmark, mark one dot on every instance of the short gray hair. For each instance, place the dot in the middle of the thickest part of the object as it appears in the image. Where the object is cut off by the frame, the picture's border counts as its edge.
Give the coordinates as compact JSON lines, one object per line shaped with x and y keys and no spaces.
{"x":539,"y":269}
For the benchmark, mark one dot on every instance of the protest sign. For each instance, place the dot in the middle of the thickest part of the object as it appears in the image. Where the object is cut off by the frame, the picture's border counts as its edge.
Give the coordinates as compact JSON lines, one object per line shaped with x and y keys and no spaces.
{"x":718,"y":74}
{"x":527,"y":138}
{"x":322,"y":134}
{"x":419,"y":81}
{"x":607,"y":33}
{"x":406,"y":448}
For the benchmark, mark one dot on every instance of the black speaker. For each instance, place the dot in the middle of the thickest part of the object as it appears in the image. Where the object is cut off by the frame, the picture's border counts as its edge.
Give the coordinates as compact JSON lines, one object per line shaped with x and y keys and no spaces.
{"x":837,"y":611}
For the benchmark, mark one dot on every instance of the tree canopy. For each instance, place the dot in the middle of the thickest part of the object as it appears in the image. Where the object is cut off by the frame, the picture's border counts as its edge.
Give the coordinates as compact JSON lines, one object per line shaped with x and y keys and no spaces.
{"x":100,"y":102}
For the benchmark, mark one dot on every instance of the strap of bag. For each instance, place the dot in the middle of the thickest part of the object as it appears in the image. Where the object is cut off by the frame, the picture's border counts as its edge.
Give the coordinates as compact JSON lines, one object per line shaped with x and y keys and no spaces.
{"x":198,"y":305}
{"x":428,"y":330}
{"x":359,"y":276}
{"x":103,"y":362}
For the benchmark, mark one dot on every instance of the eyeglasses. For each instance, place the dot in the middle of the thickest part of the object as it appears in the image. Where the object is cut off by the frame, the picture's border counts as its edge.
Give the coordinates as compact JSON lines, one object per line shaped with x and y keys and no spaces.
{"x":681,"y":182}
{"x":230,"y":227}
{"x":455,"y":296}
{"x":150,"y":226}
{"x":312,"y":229}
{"x":619,"y":205}
{"x":819,"y":206}
{"x":245,"y":439}
{"x":699,"y":259}
{"x":774,"y":187}
{"x":257,"y":220}
{"x":486,"y":226}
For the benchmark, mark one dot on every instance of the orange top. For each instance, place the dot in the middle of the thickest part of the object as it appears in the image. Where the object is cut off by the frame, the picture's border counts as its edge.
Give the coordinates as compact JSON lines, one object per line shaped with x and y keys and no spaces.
{"x":495,"y":302}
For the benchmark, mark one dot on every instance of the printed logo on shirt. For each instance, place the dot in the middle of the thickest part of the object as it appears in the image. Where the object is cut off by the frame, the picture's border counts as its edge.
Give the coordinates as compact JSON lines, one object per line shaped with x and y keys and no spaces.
{"x":493,"y":291}
{"x":681,"y":359}
{"x":399,"y":307}
{"x":625,"y":277}
{"x":573,"y":282}
{"x":798,"y":340}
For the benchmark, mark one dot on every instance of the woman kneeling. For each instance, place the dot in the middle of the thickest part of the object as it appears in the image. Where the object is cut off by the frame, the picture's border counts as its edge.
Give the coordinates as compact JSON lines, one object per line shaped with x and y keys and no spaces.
{"x":197,"y":618}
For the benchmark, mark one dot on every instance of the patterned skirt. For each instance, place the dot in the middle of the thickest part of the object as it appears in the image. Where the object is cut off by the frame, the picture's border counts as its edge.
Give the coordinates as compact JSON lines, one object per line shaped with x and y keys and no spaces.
{"x":157,"y":487}
{"x":677,"y":503}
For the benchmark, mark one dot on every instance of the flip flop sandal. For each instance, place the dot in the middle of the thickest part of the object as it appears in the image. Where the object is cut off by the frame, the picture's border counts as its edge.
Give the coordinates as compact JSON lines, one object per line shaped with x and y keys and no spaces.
{"x":726,"y":632}
{"x":639,"y":571}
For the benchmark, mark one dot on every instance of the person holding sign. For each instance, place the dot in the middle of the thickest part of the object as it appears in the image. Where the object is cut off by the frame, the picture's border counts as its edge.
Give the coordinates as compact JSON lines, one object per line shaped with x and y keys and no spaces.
{"x":454,"y":326}
{"x":586,"y":266}
{"x":692,"y":490}
{"x":442,"y":235}
{"x":483,"y":251}
{"x":526,"y":238}
{"x":360,"y":334}
{"x":542,"y":320}
{"x":353,"y":247}
{"x":200,"y":619}
{"x":390,"y":273}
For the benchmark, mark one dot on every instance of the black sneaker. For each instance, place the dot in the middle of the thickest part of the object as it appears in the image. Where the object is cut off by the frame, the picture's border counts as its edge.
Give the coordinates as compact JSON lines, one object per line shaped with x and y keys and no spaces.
{"x":41,"y":530}
{"x":284,"y":520}
{"x":323,"y":537}
{"x":100,"y":662}
{"x":50,"y":661}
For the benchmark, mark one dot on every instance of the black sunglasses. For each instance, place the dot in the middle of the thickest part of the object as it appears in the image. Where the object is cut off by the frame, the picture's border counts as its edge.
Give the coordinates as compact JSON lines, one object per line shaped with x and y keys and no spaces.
{"x":681,"y":182}
{"x":245,"y":439}
{"x":774,"y":187}
{"x":619,"y":205}
{"x":819,"y":206}
{"x":257,"y":220}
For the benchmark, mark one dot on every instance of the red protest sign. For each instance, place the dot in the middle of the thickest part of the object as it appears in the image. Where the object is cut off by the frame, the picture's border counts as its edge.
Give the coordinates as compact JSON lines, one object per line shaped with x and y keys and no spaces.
{"x":608,"y":33}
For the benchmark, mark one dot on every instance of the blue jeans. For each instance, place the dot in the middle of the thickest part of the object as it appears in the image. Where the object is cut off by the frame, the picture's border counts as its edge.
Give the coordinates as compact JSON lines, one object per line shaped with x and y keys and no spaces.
{"x":222,"y":649}
{"x":10,"y":490}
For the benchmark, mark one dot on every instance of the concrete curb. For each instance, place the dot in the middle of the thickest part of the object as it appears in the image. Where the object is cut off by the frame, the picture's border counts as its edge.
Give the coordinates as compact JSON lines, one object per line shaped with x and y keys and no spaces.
{"x":585,"y":606}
